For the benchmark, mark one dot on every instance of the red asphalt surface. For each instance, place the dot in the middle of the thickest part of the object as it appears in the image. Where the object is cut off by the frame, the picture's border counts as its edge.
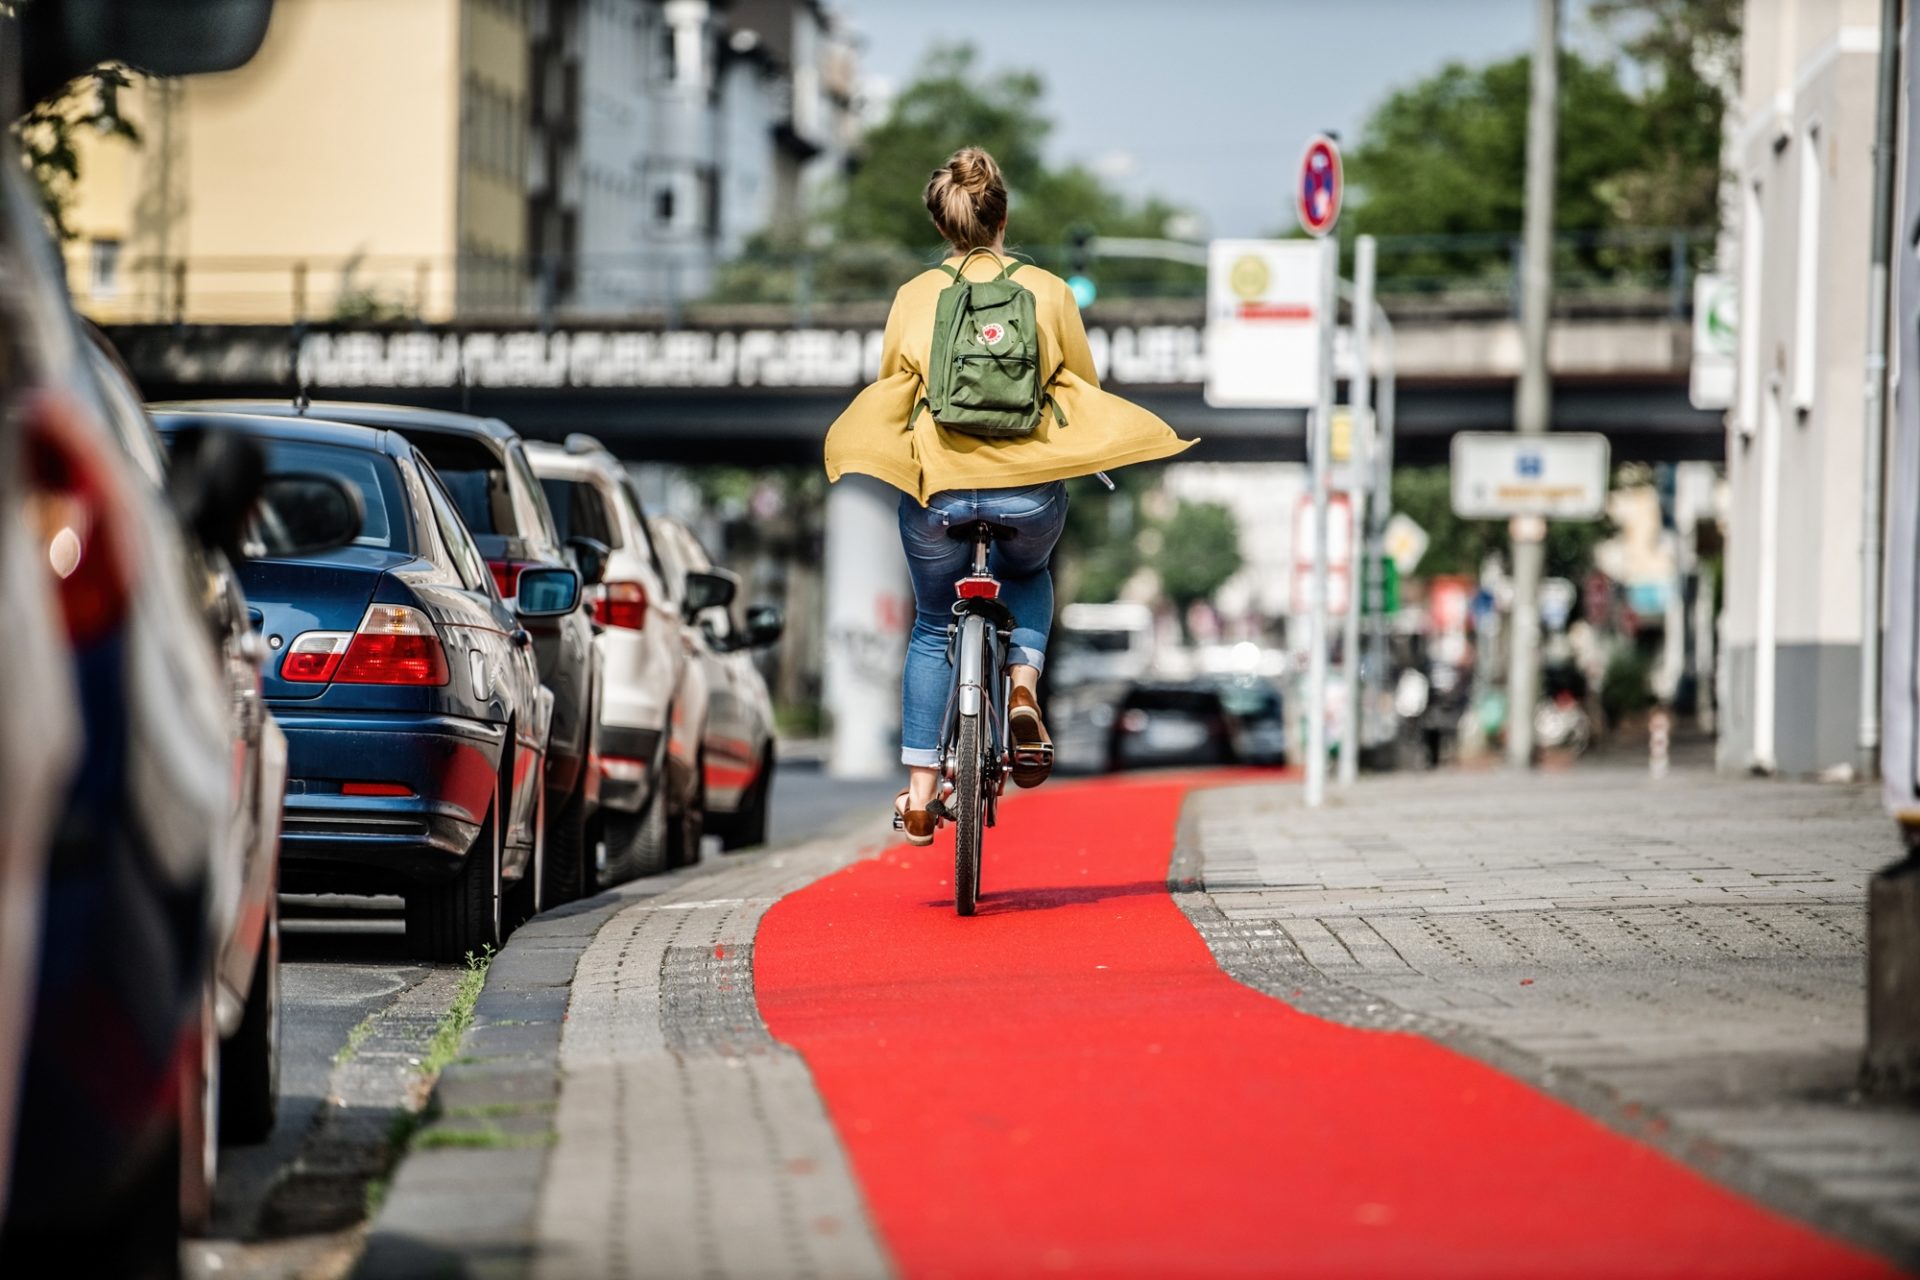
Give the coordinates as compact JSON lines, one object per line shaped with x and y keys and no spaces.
{"x":1068,"y":1084}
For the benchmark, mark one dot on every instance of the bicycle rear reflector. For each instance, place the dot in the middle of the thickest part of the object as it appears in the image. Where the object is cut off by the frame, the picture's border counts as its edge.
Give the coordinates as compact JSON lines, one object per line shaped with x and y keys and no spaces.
{"x":978,"y":588}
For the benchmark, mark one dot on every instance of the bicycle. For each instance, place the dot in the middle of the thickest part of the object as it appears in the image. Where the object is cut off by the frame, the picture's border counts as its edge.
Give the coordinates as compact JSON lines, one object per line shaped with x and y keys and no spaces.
{"x":975,"y":756}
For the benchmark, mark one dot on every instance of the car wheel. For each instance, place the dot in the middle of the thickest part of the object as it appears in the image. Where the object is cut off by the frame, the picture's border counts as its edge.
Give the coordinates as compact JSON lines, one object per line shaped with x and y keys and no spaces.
{"x":637,"y":842}
{"x":568,"y":850}
{"x":250,"y":1059}
{"x":748,"y":827}
{"x":686,"y":829}
{"x":526,"y":898}
{"x":461,"y":917}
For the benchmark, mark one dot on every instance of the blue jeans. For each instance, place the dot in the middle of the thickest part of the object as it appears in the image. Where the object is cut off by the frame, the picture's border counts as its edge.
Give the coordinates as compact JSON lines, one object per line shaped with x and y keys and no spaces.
{"x":936,"y":561}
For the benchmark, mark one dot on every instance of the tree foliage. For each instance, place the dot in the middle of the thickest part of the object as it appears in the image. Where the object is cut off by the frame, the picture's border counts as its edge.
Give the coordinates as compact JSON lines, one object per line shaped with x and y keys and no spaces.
{"x":1199,"y":550}
{"x":47,"y":132}
{"x":952,"y":103}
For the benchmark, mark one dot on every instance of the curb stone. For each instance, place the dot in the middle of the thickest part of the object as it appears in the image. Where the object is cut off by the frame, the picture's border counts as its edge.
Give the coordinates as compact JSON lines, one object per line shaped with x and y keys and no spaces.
{"x":470,"y":1196}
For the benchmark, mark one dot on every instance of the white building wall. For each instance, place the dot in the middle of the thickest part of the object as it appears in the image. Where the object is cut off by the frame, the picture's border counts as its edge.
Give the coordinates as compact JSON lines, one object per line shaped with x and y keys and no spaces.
{"x":1803,"y":162}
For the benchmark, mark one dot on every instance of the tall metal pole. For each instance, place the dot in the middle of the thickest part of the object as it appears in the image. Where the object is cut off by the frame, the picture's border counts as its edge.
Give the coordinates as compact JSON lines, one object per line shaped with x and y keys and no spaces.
{"x":1359,"y":458}
{"x":1380,"y":510}
{"x":1532,"y":395}
{"x":1875,"y":435}
{"x":1321,"y":429}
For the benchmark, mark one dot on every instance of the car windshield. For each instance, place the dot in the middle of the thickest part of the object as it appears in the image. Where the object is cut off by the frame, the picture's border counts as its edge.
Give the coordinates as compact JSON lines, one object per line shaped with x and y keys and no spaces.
{"x":1250,"y":699}
{"x":475,"y":479}
{"x":372,"y":474}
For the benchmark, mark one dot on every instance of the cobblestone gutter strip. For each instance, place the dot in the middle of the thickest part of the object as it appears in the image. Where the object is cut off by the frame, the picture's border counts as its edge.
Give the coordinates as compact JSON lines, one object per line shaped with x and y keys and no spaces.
{"x":1264,"y":952}
{"x":621,"y":1110}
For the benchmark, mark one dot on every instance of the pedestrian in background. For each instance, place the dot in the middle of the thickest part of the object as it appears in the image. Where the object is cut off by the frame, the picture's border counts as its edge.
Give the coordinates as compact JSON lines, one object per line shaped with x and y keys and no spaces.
{"x":950,"y":475}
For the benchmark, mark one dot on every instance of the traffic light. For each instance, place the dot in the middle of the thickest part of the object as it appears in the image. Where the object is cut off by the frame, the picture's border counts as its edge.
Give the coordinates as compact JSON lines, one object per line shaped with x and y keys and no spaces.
{"x":1079,"y":255}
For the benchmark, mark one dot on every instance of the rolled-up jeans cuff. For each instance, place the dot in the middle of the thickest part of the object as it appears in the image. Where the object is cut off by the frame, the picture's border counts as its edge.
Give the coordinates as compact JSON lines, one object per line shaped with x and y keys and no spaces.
{"x":920,"y":757}
{"x":1023,"y":651}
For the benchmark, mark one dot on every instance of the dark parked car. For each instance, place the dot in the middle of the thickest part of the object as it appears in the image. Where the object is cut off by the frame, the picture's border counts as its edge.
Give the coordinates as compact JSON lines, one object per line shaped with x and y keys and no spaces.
{"x":484,"y":466}
{"x":1203,"y":721}
{"x":415,"y":719}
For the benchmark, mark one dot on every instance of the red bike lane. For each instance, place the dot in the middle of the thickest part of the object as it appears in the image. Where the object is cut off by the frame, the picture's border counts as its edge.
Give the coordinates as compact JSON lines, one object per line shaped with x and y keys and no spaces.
{"x":1068,"y":1084}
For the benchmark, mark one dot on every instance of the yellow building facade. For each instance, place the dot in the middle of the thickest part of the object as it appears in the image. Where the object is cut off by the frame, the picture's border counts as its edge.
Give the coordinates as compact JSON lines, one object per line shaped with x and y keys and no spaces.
{"x":370,"y":162}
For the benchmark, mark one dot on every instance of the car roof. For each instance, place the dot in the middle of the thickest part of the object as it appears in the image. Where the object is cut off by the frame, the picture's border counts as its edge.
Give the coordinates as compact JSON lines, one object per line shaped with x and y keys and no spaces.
{"x":170,"y":418}
{"x":395,"y":417}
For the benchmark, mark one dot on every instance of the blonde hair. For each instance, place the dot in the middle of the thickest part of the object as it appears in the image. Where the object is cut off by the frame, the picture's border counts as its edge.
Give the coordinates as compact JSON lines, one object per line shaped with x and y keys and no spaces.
{"x":968,"y":199}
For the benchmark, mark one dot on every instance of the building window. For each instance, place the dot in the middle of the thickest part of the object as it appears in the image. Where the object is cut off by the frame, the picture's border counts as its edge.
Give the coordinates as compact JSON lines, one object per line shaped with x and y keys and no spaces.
{"x":1806,"y":289}
{"x":663,"y":206}
{"x":104,"y":269}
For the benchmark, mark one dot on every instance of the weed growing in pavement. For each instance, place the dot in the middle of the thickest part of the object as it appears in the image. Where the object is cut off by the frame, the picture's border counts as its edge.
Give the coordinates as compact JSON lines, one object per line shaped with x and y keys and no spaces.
{"x":489,"y":1137}
{"x":355,"y":1038}
{"x":491,"y":1110}
{"x":452,"y":1029}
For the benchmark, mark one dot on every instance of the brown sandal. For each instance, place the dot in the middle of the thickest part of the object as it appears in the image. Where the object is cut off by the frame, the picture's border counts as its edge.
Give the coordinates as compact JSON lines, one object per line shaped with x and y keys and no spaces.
{"x":918,"y":824}
{"x":1032,"y":748}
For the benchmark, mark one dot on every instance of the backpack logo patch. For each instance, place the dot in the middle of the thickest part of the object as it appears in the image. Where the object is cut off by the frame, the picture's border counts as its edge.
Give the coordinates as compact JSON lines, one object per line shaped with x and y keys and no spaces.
{"x":992,"y":333}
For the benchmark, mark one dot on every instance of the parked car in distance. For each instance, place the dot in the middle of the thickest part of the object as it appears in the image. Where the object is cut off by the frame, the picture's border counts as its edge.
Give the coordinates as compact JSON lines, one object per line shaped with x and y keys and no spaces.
{"x":737,"y":751}
{"x":415,"y":719}
{"x":1202,"y":720}
{"x":483,"y":464}
{"x":653,"y":702}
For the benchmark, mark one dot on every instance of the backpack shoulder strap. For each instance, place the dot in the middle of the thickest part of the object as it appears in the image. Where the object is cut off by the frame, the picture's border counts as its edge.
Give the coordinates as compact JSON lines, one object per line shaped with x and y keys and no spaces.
{"x":1011,"y":267}
{"x":956,"y":272}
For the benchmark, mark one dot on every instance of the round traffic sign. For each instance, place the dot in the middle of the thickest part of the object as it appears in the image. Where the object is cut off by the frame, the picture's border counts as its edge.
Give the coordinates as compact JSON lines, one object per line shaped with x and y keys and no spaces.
{"x":1317,"y":198}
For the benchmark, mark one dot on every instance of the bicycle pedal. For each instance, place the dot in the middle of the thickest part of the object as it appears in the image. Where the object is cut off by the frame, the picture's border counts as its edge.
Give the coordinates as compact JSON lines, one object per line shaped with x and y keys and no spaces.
{"x":899,"y":821}
{"x":1038,"y":754}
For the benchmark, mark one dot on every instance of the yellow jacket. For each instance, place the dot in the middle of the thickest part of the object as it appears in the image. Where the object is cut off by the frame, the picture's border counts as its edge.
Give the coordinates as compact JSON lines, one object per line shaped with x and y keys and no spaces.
{"x":1102,"y":430}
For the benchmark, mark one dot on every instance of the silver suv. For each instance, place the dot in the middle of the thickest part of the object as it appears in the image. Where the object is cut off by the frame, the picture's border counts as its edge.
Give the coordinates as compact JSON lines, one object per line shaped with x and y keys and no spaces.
{"x":653,"y":709}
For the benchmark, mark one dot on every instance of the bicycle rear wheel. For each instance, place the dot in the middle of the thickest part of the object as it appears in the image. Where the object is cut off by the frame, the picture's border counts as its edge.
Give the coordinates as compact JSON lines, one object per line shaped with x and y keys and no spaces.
{"x":969,"y":816}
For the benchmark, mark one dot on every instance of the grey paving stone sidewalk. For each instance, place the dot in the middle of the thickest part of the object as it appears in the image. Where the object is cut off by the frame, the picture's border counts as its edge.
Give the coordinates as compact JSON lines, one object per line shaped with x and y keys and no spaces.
{"x":621,"y":1110}
{"x":1683,"y":958}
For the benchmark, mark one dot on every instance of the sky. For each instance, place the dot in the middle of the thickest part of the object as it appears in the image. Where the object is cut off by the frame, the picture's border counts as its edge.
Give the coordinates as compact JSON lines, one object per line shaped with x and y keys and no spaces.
{"x":1206,"y":102}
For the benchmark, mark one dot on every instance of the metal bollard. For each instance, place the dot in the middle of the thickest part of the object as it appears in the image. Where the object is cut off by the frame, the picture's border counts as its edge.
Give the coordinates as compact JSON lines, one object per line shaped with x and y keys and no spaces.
{"x":1659,"y":731}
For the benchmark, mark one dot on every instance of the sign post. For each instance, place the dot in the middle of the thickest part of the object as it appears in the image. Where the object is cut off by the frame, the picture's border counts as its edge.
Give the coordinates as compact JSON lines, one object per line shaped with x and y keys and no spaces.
{"x":1320,"y":189}
{"x":1359,"y":467}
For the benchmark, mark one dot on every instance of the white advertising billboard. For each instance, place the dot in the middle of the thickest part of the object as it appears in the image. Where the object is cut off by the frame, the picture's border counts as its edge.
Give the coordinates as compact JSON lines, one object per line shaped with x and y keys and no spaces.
{"x":1263,"y":323}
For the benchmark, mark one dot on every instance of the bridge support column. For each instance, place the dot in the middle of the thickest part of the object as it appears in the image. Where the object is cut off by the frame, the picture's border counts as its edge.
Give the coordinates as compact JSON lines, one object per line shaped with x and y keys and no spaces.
{"x":869,"y":612}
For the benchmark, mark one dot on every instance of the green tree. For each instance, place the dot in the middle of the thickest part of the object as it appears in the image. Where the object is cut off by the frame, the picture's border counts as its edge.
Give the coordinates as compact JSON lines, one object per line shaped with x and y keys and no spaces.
{"x":953,"y":102}
{"x":1448,"y":157}
{"x":1688,"y":53}
{"x":1199,"y":550}
{"x":48,"y":129}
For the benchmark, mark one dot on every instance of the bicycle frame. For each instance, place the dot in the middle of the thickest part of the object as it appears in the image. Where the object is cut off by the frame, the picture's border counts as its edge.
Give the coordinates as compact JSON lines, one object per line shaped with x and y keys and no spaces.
{"x":974,"y":755}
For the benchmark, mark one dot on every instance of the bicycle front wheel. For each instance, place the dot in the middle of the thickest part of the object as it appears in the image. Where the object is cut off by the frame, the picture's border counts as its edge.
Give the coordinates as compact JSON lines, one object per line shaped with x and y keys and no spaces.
{"x":968,"y":801}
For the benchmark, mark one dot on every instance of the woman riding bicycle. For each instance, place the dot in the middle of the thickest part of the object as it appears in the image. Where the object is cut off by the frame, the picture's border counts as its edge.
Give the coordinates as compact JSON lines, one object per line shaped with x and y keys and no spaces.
{"x":949,"y":477}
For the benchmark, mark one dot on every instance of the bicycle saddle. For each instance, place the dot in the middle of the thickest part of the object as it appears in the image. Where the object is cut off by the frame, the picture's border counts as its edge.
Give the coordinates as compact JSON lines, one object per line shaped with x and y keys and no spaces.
{"x":973,"y":528}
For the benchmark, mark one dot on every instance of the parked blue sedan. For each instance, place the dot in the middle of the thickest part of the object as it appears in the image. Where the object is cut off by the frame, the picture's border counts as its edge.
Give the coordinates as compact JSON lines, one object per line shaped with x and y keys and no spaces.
{"x":416,"y":723}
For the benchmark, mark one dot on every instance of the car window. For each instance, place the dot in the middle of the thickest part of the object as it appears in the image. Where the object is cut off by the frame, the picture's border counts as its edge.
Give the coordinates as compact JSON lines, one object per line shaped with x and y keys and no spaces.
{"x":671,"y":558}
{"x":528,"y":498}
{"x":580,"y":511}
{"x":371,"y":473}
{"x":637,"y":510}
{"x":474,"y":478}
{"x":466,"y":558}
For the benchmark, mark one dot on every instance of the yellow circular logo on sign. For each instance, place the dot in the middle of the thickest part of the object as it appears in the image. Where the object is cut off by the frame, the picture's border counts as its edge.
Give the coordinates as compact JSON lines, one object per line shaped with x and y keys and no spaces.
{"x":1249,"y":277}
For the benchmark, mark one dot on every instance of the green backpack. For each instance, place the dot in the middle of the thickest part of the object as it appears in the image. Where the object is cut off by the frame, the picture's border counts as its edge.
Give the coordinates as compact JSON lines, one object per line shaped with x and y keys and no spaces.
{"x":984,"y":375}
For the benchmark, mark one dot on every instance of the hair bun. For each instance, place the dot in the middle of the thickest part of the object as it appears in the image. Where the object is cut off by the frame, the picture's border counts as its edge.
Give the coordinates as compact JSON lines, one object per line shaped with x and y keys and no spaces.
{"x":967,"y":198}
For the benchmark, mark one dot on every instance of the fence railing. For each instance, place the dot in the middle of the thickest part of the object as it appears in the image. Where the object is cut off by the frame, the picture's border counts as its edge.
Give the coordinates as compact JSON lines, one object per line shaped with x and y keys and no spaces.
{"x":1649,"y":272}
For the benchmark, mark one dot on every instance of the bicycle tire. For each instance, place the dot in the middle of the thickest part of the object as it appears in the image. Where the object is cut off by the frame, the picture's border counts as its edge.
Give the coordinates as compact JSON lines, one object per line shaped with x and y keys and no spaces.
{"x":967,"y":803}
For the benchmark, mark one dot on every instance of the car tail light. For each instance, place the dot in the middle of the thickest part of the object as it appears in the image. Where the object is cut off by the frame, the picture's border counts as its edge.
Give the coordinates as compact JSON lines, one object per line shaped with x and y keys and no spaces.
{"x":1134,"y":720}
{"x":395,"y":644}
{"x":74,"y":508}
{"x":978,"y":588}
{"x":621,"y":604}
{"x":314,"y":656}
{"x":506,"y":575}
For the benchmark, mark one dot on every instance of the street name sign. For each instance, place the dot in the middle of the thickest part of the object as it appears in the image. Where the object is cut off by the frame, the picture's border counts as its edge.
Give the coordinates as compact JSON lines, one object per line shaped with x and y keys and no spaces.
{"x":1500,"y":474}
{"x":1317,"y":198}
{"x":1263,"y":323}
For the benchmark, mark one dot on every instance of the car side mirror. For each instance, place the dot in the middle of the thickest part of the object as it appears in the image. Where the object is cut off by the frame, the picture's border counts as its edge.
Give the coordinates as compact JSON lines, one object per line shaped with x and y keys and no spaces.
{"x":765,"y":622}
{"x":708,"y":589}
{"x":547,"y":592}
{"x":591,"y":555}
{"x":303,"y":515}
{"x":214,"y":476}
